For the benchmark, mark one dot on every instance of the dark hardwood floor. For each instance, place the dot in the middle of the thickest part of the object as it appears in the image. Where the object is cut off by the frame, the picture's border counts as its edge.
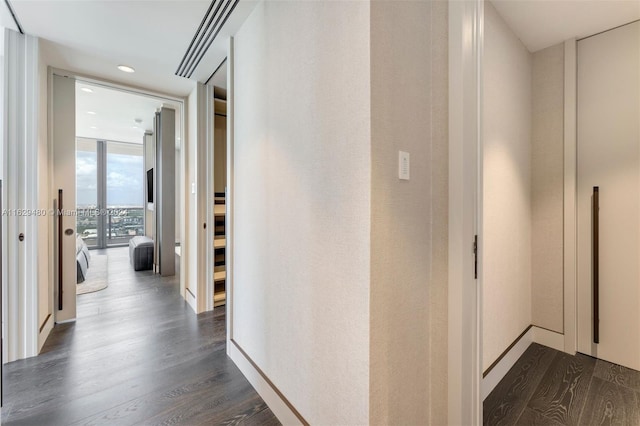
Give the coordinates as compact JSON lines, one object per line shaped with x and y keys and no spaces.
{"x":548,"y":387}
{"x":136,"y":355}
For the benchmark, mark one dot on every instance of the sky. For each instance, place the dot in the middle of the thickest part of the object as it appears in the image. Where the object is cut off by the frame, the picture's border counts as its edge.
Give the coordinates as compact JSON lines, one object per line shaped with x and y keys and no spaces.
{"x":124,"y":180}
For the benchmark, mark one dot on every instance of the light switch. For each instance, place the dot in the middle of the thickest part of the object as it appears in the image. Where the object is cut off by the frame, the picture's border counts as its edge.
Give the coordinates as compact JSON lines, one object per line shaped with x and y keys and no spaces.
{"x":404,"y":166}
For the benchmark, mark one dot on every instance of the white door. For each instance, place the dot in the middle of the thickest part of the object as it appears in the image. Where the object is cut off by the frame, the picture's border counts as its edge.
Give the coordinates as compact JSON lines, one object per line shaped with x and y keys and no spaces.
{"x":609,"y":159}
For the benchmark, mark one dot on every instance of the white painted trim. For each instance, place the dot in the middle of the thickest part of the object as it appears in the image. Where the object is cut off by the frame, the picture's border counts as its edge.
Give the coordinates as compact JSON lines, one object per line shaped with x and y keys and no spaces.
{"x":66,"y":321}
{"x":464,"y":345}
{"x":570,"y":188}
{"x":497,"y":373}
{"x":185,"y":193}
{"x":209,"y":173}
{"x":268,"y":394}
{"x":548,"y":338}
{"x":229,"y":224}
{"x":127,"y":88}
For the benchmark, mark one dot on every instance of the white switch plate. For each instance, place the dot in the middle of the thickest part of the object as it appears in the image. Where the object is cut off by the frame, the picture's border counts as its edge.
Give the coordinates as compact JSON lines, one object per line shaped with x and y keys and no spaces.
{"x":404,"y":169}
{"x":193,"y":187}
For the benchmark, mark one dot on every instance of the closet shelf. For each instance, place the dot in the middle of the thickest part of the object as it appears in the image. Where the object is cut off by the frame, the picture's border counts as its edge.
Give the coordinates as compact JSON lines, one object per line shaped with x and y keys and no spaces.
{"x":219,"y":299}
{"x":219,"y":276}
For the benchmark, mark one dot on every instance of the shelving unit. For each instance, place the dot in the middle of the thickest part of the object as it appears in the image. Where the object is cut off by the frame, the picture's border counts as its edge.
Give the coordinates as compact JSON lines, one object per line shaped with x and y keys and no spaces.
{"x":219,"y":245}
{"x":219,"y":202}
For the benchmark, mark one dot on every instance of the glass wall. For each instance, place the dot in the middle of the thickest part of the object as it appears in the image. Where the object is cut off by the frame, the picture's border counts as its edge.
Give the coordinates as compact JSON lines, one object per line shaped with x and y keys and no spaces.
{"x":124,"y":192}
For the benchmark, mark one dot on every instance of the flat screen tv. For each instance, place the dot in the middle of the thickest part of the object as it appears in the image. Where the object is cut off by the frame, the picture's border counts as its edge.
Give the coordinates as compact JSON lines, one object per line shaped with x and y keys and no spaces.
{"x":150,"y":186}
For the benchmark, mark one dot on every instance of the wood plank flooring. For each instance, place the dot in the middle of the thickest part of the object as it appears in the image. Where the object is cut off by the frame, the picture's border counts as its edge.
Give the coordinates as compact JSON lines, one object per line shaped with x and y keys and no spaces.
{"x":548,"y":387}
{"x":136,"y":355}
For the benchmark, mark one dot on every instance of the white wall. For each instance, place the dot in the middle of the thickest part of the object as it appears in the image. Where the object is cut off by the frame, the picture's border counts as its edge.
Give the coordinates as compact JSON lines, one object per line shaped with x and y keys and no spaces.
{"x":302,"y":203}
{"x":190,"y":245}
{"x":3,"y":259}
{"x":1,"y":98}
{"x":2,"y":105}
{"x":506,"y":188}
{"x":547,"y":185}
{"x":409,"y":231}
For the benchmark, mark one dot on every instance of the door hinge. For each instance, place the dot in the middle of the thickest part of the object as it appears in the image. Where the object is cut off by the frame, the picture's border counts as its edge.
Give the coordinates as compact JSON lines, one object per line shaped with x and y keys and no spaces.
{"x":475,"y":257}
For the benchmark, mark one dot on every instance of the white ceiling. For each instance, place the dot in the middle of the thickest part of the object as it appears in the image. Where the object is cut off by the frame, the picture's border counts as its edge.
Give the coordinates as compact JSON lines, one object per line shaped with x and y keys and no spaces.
{"x":543,"y":23}
{"x":93,"y":37}
{"x":115,"y":113}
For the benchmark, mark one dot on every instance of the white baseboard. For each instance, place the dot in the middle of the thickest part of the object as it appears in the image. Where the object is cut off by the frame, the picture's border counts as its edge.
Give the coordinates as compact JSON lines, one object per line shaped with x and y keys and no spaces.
{"x":277,"y":405}
{"x":191,"y":300}
{"x":44,"y":333}
{"x":491,"y":380}
{"x":548,"y":338}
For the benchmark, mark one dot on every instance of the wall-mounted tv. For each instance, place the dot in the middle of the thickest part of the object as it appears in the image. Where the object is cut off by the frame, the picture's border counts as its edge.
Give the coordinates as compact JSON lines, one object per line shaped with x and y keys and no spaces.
{"x":150,"y":185}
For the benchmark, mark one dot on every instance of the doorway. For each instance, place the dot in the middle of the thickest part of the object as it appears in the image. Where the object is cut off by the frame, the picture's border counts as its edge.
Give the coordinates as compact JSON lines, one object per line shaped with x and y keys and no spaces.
{"x":100,"y":171}
{"x":532,"y":92}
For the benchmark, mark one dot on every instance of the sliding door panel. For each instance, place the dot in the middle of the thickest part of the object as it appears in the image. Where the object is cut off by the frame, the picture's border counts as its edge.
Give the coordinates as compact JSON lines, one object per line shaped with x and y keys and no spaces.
{"x":64,"y":171}
{"x":609,"y":216}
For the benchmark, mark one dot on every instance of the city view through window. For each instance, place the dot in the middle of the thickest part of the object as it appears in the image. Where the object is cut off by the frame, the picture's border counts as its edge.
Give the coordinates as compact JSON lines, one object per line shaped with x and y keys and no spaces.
{"x":109,"y":192}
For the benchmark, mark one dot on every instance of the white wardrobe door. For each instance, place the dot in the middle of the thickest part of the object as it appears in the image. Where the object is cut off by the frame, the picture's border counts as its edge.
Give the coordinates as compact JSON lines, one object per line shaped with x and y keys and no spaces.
{"x":609,"y":158}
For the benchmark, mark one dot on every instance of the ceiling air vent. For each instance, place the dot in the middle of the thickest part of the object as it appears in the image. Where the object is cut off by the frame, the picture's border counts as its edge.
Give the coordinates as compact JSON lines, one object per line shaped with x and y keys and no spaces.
{"x":211,"y":24}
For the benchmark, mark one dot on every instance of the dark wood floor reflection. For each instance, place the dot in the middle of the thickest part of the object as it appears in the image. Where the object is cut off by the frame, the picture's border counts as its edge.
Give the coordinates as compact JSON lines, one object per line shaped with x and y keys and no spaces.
{"x":136,"y":355}
{"x":548,"y":387}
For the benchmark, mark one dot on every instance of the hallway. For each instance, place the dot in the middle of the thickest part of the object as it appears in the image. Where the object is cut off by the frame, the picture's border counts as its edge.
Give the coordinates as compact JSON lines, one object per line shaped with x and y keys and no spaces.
{"x":136,"y":355}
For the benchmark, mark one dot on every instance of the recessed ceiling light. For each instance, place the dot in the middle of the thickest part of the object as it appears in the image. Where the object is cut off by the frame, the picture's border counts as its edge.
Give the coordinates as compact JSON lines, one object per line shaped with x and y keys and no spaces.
{"x":135,"y":127}
{"x":126,"y":68}
{"x":86,"y":89}
{"x":93,"y":127}
{"x":91,"y":113}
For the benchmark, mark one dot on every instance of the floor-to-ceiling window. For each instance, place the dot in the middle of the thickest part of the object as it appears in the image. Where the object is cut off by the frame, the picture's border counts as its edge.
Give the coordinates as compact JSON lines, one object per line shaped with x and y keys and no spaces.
{"x":124,"y":192}
{"x":109,"y":192}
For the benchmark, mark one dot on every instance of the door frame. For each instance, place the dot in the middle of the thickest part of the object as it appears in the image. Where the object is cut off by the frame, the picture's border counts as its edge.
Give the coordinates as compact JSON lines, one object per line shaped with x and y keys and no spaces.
{"x":206,"y":112}
{"x":570,"y":237}
{"x":466,"y":38}
{"x":77,"y":76}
